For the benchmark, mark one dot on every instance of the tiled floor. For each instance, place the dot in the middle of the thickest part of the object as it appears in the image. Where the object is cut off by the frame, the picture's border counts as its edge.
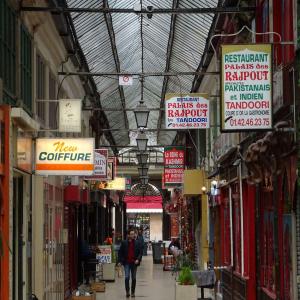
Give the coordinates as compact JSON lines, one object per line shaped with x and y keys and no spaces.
{"x":152,"y":283}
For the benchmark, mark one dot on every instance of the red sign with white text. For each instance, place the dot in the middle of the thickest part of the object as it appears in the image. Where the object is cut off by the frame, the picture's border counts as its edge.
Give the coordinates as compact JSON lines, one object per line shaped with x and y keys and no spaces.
{"x":173,"y":165}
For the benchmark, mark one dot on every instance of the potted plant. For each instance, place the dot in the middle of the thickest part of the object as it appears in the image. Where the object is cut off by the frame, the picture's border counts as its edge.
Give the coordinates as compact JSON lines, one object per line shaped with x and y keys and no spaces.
{"x":185,"y":287}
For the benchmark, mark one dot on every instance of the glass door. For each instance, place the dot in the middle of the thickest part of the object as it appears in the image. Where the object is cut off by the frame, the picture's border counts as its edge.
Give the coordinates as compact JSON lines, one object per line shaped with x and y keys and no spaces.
{"x":18,"y":238}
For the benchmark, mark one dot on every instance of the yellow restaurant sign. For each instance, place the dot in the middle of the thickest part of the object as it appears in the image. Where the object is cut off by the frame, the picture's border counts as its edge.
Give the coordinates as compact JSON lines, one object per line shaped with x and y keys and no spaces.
{"x":65,"y":156}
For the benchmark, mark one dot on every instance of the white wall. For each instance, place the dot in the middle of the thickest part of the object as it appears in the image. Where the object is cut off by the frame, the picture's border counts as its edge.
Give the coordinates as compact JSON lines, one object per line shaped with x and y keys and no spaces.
{"x":156,"y":227}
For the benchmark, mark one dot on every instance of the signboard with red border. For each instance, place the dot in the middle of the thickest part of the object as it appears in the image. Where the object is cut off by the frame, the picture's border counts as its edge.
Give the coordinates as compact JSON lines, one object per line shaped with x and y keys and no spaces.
{"x":100,"y":165}
{"x":246,"y":87}
{"x":187,"y":111}
{"x":173,"y":165}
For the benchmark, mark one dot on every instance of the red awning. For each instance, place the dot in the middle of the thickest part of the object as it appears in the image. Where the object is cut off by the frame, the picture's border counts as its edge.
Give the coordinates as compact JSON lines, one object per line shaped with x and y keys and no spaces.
{"x":145,"y":199}
{"x":144,"y":207}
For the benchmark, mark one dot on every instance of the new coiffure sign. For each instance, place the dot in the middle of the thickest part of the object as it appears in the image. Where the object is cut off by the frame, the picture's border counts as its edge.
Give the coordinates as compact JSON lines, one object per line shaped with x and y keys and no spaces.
{"x":65,"y":156}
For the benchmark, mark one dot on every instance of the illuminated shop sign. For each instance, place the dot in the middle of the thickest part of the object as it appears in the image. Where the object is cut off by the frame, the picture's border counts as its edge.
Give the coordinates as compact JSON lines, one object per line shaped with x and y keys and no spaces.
{"x":187,"y":111}
{"x":246,"y":93}
{"x":65,"y":156}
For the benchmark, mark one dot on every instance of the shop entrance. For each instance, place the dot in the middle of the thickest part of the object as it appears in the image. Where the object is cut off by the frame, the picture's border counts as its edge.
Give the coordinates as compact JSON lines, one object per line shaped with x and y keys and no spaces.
{"x":140,"y":221}
{"x":21,"y":239}
{"x":17,"y":238}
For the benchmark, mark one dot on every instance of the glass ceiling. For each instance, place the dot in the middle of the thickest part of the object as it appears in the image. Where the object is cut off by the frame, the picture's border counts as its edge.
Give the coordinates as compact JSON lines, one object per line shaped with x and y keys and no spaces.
{"x":97,"y":35}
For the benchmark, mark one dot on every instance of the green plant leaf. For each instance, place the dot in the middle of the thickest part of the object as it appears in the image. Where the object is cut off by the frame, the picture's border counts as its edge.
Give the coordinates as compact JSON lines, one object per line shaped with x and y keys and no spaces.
{"x":186,"y":277}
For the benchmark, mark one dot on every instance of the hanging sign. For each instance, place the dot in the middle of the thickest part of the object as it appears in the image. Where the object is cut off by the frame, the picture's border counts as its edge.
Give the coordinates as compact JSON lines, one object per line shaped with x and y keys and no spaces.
{"x":190,"y":111}
{"x":100,"y":165}
{"x":104,"y":256}
{"x":111,"y":168}
{"x":118,"y":184}
{"x":128,"y":183}
{"x":125,"y":80}
{"x":24,"y":154}
{"x":70,"y":115}
{"x":173,"y":165}
{"x":59,"y":156}
{"x":246,"y":92}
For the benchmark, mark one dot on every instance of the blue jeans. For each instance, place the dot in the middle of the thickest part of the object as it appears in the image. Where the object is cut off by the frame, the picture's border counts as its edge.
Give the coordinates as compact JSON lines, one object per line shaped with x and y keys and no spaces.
{"x":130,"y":268}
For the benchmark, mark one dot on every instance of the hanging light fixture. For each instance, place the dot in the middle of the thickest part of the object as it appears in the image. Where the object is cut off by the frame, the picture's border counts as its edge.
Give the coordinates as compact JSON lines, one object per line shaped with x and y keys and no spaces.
{"x":141,"y":112}
{"x":142,"y":158}
{"x":143,"y":170}
{"x":144,"y":180}
{"x":142,"y":141}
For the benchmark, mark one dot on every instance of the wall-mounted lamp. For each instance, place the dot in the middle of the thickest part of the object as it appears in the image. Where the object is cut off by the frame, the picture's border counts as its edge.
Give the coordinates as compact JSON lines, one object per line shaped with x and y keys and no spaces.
{"x":214,"y":188}
{"x":214,"y":183}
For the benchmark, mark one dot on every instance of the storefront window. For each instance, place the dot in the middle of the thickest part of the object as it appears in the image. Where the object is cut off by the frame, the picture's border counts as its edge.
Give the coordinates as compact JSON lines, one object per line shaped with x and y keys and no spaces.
{"x":140,"y":221}
{"x":236,"y":213}
{"x":53,"y":253}
{"x":226,"y":233}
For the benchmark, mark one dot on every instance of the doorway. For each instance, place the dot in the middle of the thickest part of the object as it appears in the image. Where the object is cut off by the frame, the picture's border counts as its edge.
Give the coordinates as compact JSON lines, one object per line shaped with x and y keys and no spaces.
{"x":22,"y":237}
{"x":18,"y":238}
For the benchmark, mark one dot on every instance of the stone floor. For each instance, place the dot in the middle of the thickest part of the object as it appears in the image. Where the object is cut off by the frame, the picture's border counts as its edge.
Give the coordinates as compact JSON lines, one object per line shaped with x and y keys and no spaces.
{"x":152,"y":283}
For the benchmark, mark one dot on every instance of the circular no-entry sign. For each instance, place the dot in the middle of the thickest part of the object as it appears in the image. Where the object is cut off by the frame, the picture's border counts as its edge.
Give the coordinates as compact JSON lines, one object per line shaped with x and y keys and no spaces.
{"x":125,"y":78}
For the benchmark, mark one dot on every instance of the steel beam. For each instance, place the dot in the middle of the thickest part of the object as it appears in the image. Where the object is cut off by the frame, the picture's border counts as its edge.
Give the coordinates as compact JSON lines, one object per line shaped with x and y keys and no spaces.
{"x":145,"y":74}
{"x":110,"y":29}
{"x":152,"y":146}
{"x":175,"y":5}
{"x":207,"y":55}
{"x":196,"y":10}
{"x":115,"y":130}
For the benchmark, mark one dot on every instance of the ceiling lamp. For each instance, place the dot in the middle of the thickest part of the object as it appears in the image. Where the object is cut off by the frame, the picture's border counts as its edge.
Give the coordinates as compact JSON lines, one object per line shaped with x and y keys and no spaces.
{"x":141,"y":114}
{"x":142,"y":158}
{"x":143,"y":170}
{"x":144,"y":180}
{"x":142,"y":141}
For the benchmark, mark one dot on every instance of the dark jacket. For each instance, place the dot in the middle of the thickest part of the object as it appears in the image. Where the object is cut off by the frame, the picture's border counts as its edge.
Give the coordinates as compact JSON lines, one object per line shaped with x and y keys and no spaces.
{"x":140,"y":240}
{"x":123,"y":252}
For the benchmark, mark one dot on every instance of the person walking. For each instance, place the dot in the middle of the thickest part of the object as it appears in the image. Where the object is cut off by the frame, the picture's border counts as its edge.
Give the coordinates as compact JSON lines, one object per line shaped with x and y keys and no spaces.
{"x":140,"y":240}
{"x":130,"y":257}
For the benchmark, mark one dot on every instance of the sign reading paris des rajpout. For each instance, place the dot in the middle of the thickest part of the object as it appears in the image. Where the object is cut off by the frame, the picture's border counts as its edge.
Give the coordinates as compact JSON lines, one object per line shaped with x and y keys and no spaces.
{"x":59,"y":156}
{"x":246,"y":92}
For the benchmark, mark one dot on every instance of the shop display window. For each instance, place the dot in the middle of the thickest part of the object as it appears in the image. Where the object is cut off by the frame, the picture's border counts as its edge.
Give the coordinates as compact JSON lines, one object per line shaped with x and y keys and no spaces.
{"x":140,"y":221}
{"x":53,"y":243}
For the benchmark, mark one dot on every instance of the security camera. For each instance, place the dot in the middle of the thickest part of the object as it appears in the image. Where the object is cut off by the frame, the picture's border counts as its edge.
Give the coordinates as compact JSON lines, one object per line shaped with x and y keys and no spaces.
{"x":150,"y":11}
